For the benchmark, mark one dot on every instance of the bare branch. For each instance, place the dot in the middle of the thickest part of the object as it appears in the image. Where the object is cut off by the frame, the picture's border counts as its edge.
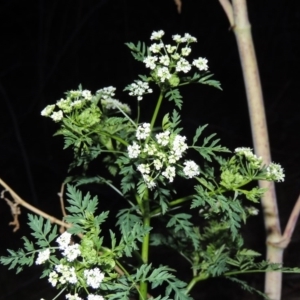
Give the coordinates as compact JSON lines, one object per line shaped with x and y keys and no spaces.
{"x":179,"y":5}
{"x":228,"y":11}
{"x":19,"y":201}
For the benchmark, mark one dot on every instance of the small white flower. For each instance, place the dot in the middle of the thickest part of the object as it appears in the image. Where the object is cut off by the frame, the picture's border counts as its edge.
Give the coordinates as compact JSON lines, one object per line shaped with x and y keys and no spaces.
{"x":64,"y":105}
{"x":64,"y":240}
{"x":183,"y":65}
{"x":185,"y":51}
{"x":150,"y":149}
{"x":155,"y":48}
{"x":71,"y":252}
{"x":201,"y":64}
{"x":149,"y":181}
{"x":144,"y":168}
{"x":139,"y":88}
{"x":165,"y":60}
{"x":75,"y":94}
{"x":57,"y":116}
{"x":68,"y":274}
{"x":150,"y":62}
{"x":77,"y":103}
{"x":169,"y":173}
{"x":163,"y":73}
{"x":93,"y":277}
{"x":53,"y":277}
{"x":163,"y":138}
{"x":174,"y":156}
{"x":43,"y":256}
{"x":86,"y":94}
{"x":143,"y":131}
{"x":73,"y":297}
{"x":189,"y":38}
{"x":191,"y":169}
{"x":46,"y":112}
{"x":179,"y":145}
{"x":133,"y":150}
{"x":170,"y":48}
{"x":275,"y":172}
{"x":107,"y":92}
{"x":157,"y":35}
{"x":177,"y":38}
{"x":94,"y":297}
{"x":157,"y":164}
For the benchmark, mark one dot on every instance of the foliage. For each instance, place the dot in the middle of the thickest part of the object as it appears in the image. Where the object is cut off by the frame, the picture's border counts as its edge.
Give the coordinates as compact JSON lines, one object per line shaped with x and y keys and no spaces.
{"x":145,"y":162}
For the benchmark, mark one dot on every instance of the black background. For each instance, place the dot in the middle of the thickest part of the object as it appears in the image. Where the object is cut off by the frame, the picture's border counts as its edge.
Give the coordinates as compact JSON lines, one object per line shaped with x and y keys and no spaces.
{"x":49,"y":47}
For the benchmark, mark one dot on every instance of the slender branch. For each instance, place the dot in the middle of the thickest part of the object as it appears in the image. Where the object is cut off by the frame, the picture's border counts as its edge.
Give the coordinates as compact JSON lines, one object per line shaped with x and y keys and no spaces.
{"x":37,"y":211}
{"x":289,"y":229}
{"x":178,"y":3}
{"x":158,"y":104}
{"x":61,"y":199}
{"x":228,"y":11}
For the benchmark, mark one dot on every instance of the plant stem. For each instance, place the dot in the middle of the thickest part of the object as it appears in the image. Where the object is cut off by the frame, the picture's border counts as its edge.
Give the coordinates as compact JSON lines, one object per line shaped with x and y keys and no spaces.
{"x":145,"y":245}
{"x":158,"y":104}
{"x":194,"y":281}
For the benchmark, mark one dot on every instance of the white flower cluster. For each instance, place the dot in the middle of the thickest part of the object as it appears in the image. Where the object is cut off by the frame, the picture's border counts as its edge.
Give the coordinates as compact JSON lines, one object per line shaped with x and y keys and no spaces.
{"x":166,"y":60}
{"x":162,"y":154}
{"x":255,"y":162}
{"x":63,"y":274}
{"x":108,"y":102}
{"x":138,"y":88}
{"x":143,"y":131}
{"x":79,"y":99}
{"x":90,"y":297}
{"x":43,"y":256}
{"x":94,"y":297}
{"x":93,"y":277}
{"x":273,"y":171}
{"x":73,"y":297}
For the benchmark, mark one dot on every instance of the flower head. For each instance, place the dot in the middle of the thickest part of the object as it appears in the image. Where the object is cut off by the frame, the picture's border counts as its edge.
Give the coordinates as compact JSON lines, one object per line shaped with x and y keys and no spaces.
{"x":57,"y":116}
{"x":169,"y":173}
{"x":139,"y":88}
{"x":43,"y":256}
{"x":73,"y":297}
{"x":143,"y":131}
{"x":191,"y":169}
{"x":133,"y":150}
{"x":94,"y":297}
{"x":93,"y":277}
{"x":275,"y":172}
{"x":157,"y":35}
{"x":201,"y":64}
{"x":71,"y":252}
{"x":150,"y":62}
{"x":47,"y":111}
{"x":64,"y":240}
{"x":53,"y":278}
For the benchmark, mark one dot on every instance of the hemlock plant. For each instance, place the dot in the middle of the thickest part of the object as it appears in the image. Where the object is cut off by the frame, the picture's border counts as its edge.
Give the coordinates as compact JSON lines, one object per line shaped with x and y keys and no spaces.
{"x":145,"y":160}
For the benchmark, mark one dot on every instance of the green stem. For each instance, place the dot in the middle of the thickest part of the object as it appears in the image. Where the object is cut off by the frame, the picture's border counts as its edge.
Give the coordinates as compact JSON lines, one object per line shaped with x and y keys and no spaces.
{"x":158,"y":104}
{"x":194,"y":281}
{"x":145,"y":245}
{"x":173,"y":203}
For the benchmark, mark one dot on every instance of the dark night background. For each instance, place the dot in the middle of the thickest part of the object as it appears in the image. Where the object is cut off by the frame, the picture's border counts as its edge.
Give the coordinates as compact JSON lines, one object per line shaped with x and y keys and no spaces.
{"x":49,"y":47}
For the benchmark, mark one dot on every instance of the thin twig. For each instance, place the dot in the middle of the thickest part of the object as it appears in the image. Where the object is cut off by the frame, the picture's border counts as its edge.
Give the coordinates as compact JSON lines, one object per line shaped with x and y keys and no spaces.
{"x":61,"y":199}
{"x":179,"y":5}
{"x":19,"y":201}
{"x":290,"y":226}
{"x":228,"y":11}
